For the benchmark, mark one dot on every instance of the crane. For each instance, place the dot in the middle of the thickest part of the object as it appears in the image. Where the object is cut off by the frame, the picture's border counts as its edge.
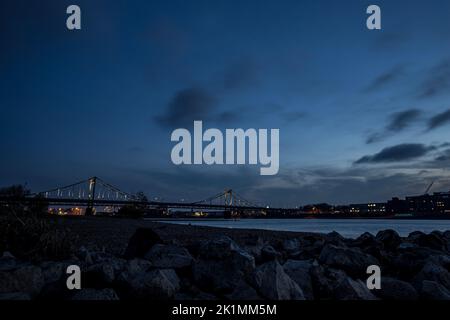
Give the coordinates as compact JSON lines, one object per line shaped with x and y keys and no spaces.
{"x":429,"y":187}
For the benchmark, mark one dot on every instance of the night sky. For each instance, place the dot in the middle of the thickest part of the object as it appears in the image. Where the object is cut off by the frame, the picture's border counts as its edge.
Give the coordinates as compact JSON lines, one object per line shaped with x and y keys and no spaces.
{"x":363,"y":115}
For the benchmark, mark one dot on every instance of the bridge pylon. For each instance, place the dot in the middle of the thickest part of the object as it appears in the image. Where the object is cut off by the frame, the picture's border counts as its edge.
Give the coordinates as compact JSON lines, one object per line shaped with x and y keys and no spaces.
{"x":90,"y":210}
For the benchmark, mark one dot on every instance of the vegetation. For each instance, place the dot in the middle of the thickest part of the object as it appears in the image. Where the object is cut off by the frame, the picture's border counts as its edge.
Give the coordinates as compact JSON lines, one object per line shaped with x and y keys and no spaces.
{"x":27,"y":232}
{"x":135,"y":210}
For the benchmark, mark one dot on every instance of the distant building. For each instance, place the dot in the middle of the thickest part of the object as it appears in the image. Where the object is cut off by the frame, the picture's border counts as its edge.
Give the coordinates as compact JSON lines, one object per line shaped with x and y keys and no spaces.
{"x":368,"y":208}
{"x":397,"y":206}
{"x":437,"y":203}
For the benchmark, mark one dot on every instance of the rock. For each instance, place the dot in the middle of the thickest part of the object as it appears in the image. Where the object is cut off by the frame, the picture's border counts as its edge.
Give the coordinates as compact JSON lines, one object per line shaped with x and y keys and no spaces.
{"x":311,"y":246}
{"x":322,"y":286}
{"x":27,"y":279}
{"x":393,"y":289}
{"x":132,"y":269}
{"x":351,"y":260}
{"x":406,"y":246}
{"x":84,"y":255}
{"x":389,"y":238}
{"x":53,"y":271}
{"x":414,"y":235}
{"x":7,"y":262}
{"x":93,"y":294}
{"x":335,"y":238}
{"x":299,"y":271}
{"x":336,"y":284}
{"x":370,"y":245}
{"x":98,"y":275}
{"x":432,"y":290}
{"x":433,"y":240}
{"x":407,"y":264}
{"x":141,"y":242}
{"x":136,"y":266}
{"x":433,"y":272}
{"x":15,"y":296}
{"x":160,"y":284}
{"x":268,"y":253}
{"x":244,"y":291}
{"x":270,"y":280}
{"x":103,"y":274}
{"x":365,"y":240}
{"x":219,"y":248}
{"x":348,"y":289}
{"x":169,"y":257}
{"x":291,"y":246}
{"x":443,"y":260}
{"x":221,"y":265}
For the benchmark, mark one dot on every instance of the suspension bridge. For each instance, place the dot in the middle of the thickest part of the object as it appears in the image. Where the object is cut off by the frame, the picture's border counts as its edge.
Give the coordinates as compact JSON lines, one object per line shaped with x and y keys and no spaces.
{"x":94,"y":192}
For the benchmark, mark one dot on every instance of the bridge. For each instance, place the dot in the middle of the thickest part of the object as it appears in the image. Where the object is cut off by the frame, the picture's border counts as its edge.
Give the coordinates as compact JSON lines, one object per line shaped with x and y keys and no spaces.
{"x":94,"y":192}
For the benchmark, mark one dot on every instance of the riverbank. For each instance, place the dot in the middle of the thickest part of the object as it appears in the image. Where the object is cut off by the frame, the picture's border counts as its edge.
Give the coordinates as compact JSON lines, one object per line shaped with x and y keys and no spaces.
{"x":135,"y":259}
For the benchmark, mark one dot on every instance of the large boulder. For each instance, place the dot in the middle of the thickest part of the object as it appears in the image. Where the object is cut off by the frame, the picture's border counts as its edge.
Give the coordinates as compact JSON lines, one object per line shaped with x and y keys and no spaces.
{"x":7,"y":262}
{"x":169,"y":256}
{"x":136,"y":266}
{"x":365,"y":240}
{"x":103,"y":273}
{"x":432,"y":272}
{"x":268,"y":253}
{"x":433,"y":240}
{"x":291,"y":246}
{"x":335,"y":238}
{"x":244,"y":291}
{"x":352,"y":260}
{"x":271,"y":282}
{"x":53,"y":271}
{"x":335,"y":284}
{"x":431,"y":290}
{"x":393,"y":289}
{"x":84,"y":256}
{"x":389,"y":238}
{"x":141,"y":242}
{"x":348,"y":289}
{"x":299,"y":271}
{"x":410,"y":260}
{"x":160,"y":284}
{"x":221,"y":265}
{"x":94,"y":294}
{"x":26,"y":279}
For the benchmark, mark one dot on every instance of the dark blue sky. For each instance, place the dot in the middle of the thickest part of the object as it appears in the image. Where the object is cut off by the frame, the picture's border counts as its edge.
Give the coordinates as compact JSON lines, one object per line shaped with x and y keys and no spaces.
{"x":363,"y":115}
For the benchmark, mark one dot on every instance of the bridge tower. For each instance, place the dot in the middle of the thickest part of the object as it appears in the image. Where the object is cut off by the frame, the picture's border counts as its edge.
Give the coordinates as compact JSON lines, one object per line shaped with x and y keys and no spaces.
{"x":228,"y":195}
{"x":90,"y":210}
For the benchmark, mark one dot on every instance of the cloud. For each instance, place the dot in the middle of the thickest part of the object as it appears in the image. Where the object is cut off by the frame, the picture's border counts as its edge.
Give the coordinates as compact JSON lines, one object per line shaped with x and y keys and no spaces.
{"x":401,"y":120}
{"x":443,"y":156}
{"x":188,"y":105}
{"x":398,"y":121}
{"x":401,"y":152}
{"x":439,"y":120}
{"x":241,"y":75}
{"x":385,"y":78}
{"x":437,"y":82}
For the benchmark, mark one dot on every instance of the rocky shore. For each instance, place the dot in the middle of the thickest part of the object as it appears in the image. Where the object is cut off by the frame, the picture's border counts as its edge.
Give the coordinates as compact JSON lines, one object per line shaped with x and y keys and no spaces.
{"x":240,"y":265}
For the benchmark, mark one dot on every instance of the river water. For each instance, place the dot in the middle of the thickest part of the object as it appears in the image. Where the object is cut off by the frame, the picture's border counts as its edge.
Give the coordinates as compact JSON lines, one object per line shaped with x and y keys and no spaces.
{"x":350,"y":228}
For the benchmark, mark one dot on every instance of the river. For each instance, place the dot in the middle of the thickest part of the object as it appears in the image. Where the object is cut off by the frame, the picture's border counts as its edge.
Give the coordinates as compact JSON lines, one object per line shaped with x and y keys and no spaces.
{"x":350,"y":228}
